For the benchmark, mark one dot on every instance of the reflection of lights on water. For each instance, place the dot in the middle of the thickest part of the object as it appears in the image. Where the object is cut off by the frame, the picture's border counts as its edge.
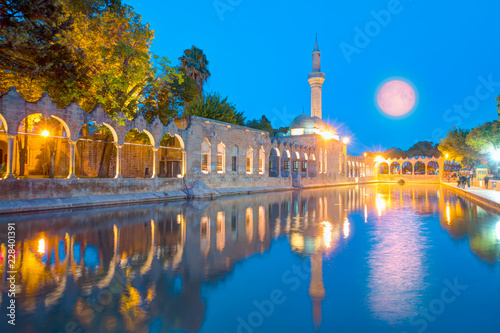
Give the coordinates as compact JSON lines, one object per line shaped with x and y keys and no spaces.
{"x":448,"y":218}
{"x":366,"y":214}
{"x":380,"y":204}
{"x":41,"y":246}
{"x":347,"y":228}
{"x":498,"y":230}
{"x":327,"y":234}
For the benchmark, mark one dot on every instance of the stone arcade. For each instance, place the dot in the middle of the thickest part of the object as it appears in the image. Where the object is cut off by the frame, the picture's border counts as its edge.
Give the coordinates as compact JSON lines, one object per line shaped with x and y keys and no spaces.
{"x":168,"y":157}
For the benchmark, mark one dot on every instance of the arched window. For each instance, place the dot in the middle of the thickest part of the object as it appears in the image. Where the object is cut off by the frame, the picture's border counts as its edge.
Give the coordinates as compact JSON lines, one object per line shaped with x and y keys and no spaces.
{"x":249,"y":160}
{"x":205,"y":156}
{"x":221,"y":158}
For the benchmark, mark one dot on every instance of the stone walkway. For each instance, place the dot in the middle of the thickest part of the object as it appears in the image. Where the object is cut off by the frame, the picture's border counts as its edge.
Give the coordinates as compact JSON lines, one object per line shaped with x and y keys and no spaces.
{"x":489,"y":197}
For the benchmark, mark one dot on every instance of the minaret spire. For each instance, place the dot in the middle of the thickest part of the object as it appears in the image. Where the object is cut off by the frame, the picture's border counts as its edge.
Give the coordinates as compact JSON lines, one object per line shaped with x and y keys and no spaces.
{"x":316,"y":79}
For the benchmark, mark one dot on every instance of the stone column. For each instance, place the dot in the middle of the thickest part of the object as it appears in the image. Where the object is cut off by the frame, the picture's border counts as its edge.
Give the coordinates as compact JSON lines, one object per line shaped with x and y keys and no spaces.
{"x":155,"y":158}
{"x":72,"y":147}
{"x":10,"y":157}
{"x":118,"y":161}
{"x":183,"y":164}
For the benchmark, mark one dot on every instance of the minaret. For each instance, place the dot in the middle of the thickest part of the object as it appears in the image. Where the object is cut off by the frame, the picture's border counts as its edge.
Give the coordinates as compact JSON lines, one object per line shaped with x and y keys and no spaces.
{"x":316,"y":79}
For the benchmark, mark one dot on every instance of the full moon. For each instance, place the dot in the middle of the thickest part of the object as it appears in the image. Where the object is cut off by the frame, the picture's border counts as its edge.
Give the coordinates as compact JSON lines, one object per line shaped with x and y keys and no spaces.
{"x":396,"y":98}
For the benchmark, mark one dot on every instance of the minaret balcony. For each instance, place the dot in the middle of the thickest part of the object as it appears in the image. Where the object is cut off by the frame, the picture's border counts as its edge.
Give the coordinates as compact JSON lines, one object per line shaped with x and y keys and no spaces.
{"x":316,"y":74}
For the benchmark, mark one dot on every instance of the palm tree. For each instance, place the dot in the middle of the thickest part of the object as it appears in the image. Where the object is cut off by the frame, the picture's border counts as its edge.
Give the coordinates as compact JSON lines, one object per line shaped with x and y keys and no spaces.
{"x":195,"y":63}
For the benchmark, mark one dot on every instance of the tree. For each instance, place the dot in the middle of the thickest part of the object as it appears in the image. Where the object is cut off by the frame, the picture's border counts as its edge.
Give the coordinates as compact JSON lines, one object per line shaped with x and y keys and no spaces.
{"x":498,"y":105}
{"x":168,"y":96}
{"x":424,"y":148}
{"x":395,"y":152}
{"x":455,"y":146}
{"x":31,"y":46}
{"x":486,"y":137}
{"x":213,"y":106}
{"x":263,"y":124}
{"x":195,"y":64}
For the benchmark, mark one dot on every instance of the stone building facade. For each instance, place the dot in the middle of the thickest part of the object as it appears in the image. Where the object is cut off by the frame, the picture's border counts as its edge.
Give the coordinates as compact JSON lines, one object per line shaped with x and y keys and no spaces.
{"x":170,"y":157}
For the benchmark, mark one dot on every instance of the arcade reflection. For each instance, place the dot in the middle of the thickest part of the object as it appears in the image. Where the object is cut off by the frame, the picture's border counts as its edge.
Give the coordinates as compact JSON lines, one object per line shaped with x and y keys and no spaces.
{"x":125,"y":269}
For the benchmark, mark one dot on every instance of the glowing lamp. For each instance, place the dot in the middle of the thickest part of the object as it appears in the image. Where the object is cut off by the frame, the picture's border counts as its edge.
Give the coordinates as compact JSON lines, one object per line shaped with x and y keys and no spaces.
{"x":327,"y":135}
{"x":45,"y":133}
{"x":345,"y":140}
{"x":379,"y":159}
{"x":447,"y":155}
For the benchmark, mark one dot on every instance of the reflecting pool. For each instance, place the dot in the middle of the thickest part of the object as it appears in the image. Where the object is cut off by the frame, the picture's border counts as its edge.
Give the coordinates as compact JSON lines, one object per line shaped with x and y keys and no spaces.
{"x":375,"y":258}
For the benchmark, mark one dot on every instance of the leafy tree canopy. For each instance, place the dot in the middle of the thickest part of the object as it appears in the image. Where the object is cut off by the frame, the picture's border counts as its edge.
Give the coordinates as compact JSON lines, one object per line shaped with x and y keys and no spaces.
{"x":213,"y":106}
{"x":195,"y":64}
{"x":455,"y":146}
{"x":262,"y":124}
{"x":485,"y":138}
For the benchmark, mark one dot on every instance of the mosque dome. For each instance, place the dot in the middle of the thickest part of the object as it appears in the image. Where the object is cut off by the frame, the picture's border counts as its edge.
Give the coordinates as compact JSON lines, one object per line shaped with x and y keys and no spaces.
{"x":305,"y":124}
{"x":303,"y":121}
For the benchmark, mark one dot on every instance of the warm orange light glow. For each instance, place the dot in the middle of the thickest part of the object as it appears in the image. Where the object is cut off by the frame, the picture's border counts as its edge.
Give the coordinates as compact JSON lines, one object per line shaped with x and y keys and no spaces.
{"x":327,"y":234}
{"x":365,"y":154}
{"x":448,"y":217}
{"x":346,"y":140}
{"x":380,"y":204}
{"x":45,"y":133}
{"x":41,"y":246}
{"x":379,"y":159}
{"x":447,"y":155}
{"x":346,"y":228}
{"x":327,"y":135}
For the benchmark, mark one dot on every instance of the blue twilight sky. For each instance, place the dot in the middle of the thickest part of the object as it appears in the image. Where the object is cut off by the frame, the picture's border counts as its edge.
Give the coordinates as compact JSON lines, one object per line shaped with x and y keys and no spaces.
{"x":260,"y":55}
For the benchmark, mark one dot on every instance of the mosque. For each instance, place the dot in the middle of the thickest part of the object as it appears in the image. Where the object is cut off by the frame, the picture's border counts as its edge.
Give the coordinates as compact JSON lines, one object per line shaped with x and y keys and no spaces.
{"x":68,"y":146}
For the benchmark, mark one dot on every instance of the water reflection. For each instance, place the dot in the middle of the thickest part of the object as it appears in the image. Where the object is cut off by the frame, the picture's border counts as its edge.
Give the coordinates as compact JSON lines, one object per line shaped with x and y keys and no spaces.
{"x":130,"y":269}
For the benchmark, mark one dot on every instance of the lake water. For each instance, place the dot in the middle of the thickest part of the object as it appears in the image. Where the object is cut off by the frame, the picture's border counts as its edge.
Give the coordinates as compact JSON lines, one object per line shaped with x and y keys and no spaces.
{"x":375,"y":258}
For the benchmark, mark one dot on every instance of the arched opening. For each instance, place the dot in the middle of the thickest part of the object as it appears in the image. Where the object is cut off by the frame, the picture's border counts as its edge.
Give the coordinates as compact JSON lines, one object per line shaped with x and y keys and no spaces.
{"x":285,"y":164}
{"x":137,"y":155}
{"x":170,"y":156}
{"x":303,"y":165}
{"x":312,"y":166}
{"x":383,"y":168}
{"x":419,"y":168}
{"x":407,"y":168}
{"x":221,"y":158}
{"x":274,"y":160}
{"x":205,"y":156}
{"x":262,"y":160}
{"x":395,"y":168}
{"x":41,"y":148}
{"x":433,"y":168}
{"x":232,"y":153}
{"x":249,"y":161}
{"x":95,"y":154}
